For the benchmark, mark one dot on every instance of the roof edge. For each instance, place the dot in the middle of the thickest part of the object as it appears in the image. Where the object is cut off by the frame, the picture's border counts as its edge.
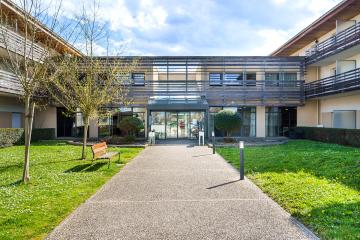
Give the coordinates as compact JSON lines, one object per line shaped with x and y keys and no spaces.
{"x":340,"y":6}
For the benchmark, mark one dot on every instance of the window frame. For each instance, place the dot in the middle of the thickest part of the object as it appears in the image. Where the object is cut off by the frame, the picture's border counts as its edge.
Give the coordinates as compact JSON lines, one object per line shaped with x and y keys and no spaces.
{"x":134,"y":83}
{"x":212,"y":83}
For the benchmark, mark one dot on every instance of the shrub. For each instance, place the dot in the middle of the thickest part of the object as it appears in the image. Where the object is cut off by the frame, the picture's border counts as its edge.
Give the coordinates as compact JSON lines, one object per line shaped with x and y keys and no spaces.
{"x":15,"y":136}
{"x":11,"y":136}
{"x":131,"y":125}
{"x":129,"y":139}
{"x":43,"y":134}
{"x":341,"y":136}
{"x":227,"y":121}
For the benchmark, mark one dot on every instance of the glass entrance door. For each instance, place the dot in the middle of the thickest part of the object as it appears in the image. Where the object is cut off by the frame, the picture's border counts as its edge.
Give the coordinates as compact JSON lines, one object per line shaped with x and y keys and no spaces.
{"x":183,"y":125}
{"x":171,"y":125}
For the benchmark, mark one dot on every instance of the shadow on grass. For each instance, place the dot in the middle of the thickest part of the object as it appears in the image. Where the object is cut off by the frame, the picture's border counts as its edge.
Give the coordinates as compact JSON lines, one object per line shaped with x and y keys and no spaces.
{"x":86,"y":167}
{"x":13,"y":184}
{"x":335,"y":221}
{"x":21,"y":165}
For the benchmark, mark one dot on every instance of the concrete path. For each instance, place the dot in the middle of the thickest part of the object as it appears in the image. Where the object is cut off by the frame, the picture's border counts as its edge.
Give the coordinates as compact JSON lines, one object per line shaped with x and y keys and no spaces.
{"x":179,"y":192}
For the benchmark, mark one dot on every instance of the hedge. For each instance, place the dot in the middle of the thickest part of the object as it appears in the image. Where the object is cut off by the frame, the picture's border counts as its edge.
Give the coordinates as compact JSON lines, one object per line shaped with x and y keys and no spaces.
{"x":341,"y":136}
{"x":15,"y":136}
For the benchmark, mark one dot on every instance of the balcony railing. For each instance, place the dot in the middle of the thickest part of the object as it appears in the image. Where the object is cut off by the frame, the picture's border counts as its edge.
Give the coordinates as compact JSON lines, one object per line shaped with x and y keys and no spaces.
{"x":343,"y":82}
{"x":15,"y":43}
{"x":337,"y":43}
{"x":277,"y":91}
{"x":9,"y":83}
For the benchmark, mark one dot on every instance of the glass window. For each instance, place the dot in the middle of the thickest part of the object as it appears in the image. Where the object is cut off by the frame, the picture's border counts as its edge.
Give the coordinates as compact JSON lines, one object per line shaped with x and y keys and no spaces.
{"x":250,"y":79}
{"x":290,"y":76}
{"x":157,"y":124}
{"x":289,"y":79}
{"x":215,"y":79}
{"x":272,"y":79}
{"x":215,"y":109}
{"x":232,"y":109}
{"x":233,"y":78}
{"x":138,"y":79}
{"x":16,"y":120}
{"x":344,"y":119}
{"x":248,"y":121}
{"x":272,"y":121}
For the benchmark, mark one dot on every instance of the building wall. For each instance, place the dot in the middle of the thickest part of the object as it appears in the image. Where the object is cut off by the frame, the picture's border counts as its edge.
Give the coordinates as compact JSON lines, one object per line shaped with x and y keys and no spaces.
{"x":8,"y":106}
{"x":46,"y":118}
{"x":307,"y":115}
{"x":5,"y":119}
{"x":320,"y":112}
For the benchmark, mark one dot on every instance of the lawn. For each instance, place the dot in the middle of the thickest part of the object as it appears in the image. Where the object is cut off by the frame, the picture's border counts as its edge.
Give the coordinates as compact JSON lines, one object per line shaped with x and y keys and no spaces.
{"x":317,"y":183}
{"x":59,"y":183}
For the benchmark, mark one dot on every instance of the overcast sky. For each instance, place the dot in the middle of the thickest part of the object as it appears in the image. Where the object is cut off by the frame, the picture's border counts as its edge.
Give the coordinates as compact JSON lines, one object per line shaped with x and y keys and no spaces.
{"x":204,"y":27}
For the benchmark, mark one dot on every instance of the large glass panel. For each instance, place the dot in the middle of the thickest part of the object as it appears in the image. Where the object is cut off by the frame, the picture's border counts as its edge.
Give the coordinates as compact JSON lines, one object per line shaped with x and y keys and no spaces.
{"x":248,"y":121}
{"x":171,"y":125}
{"x":272,"y":121}
{"x":158,"y":124}
{"x":141,"y":116}
{"x":183,"y":124}
{"x":344,"y":119}
{"x":196,"y":123}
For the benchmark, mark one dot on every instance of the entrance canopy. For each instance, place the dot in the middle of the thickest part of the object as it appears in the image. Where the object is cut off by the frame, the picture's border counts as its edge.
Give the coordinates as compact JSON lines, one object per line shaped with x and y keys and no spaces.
{"x":177,"y":103}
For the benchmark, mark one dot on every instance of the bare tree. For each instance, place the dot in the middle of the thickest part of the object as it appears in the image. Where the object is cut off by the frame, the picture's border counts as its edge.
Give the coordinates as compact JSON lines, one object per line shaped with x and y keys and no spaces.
{"x":28,"y":39}
{"x":88,"y":84}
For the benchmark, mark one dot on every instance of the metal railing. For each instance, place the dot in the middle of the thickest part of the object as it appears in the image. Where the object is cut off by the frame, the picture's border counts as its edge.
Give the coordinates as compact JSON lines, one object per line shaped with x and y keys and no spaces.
{"x":337,"y":43}
{"x":248,"y":90}
{"x":15,"y":43}
{"x":343,"y":82}
{"x":9,"y":83}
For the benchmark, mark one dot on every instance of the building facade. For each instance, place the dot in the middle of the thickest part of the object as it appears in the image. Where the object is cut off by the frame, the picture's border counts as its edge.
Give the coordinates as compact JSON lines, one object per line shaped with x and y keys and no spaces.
{"x":312,"y":80}
{"x":331,"y":47}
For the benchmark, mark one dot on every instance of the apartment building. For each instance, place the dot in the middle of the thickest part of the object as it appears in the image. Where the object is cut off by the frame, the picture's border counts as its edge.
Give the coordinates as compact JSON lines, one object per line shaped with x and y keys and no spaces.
{"x":177,"y":96}
{"x":331,"y":47}
{"x":11,"y":105}
{"x":312,"y":80}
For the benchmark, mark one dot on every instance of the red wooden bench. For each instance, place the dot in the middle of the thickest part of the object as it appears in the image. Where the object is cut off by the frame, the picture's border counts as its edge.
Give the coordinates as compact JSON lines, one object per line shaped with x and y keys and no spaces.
{"x":99,"y":151}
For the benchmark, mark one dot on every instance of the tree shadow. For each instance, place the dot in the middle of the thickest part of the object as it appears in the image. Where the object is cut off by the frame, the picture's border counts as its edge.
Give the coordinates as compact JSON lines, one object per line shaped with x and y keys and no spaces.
{"x":13,"y":184}
{"x":89,"y":167}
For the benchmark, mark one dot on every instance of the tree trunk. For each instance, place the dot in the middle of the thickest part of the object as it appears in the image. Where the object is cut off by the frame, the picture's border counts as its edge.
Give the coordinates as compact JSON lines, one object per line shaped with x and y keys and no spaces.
{"x":29,"y":118}
{"x":86,"y":126}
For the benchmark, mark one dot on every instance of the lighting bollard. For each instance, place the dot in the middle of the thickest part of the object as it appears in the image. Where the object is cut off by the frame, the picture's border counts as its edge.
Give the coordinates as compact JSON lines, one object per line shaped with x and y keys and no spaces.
{"x":241,"y":146}
{"x":213,"y":141}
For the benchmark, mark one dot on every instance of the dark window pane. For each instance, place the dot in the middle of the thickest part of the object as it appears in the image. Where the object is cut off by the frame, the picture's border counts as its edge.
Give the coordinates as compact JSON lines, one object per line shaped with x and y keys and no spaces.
{"x":138,"y":79}
{"x":250,"y":79}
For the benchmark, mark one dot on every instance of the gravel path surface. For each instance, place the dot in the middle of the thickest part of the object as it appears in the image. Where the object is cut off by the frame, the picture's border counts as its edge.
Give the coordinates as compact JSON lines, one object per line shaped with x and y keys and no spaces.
{"x":179,"y":192}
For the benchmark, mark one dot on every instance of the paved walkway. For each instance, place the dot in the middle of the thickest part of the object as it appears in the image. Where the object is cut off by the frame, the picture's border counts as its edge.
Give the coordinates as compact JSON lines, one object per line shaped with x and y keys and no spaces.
{"x":179,"y":192}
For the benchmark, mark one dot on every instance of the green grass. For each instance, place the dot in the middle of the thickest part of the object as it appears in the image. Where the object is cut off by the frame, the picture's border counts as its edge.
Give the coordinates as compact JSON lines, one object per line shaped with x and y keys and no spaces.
{"x":59,"y":183}
{"x":317,"y":183}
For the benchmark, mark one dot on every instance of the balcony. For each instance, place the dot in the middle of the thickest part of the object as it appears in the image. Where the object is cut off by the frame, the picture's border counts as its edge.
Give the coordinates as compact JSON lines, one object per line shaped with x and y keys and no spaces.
{"x":344,"y":82}
{"x":277,"y":92}
{"x":335,"y":44}
{"x":15,"y":43}
{"x":9,"y":83}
